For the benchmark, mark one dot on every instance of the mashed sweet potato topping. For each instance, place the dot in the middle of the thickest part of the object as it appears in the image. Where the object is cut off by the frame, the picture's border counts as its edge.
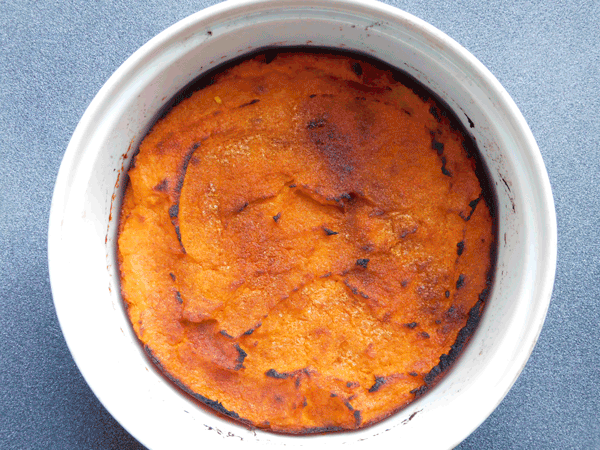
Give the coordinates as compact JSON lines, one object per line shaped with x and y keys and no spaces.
{"x":302,"y":242}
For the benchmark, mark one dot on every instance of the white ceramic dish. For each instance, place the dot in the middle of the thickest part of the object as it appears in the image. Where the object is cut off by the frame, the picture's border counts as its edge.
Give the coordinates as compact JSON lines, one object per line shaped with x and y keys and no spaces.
{"x":83,"y":220}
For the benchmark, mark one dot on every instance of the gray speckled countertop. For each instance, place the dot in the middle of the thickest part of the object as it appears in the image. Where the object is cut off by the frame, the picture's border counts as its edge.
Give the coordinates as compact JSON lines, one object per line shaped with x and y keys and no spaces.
{"x":55,"y":56}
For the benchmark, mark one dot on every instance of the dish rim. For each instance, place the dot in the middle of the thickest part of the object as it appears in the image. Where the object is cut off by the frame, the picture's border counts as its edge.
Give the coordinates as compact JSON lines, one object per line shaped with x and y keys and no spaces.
{"x":96,"y":108}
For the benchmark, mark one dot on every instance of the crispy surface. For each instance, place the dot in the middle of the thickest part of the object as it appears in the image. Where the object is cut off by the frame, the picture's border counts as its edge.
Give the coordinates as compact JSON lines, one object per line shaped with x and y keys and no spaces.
{"x":302,"y":241}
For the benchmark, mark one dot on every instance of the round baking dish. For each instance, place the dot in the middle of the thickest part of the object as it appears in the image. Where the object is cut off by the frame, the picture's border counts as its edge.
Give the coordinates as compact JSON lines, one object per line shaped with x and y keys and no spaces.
{"x":83,"y":220}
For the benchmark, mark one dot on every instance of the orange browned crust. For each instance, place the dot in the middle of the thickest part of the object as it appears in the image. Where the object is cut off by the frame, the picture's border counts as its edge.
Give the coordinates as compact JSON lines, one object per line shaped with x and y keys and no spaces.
{"x":302,"y":242}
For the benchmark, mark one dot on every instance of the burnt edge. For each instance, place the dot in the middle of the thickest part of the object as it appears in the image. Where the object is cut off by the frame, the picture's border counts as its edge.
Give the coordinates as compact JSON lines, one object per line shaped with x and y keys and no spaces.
{"x":462,"y":339}
{"x":213,"y":404}
{"x":218,"y":408}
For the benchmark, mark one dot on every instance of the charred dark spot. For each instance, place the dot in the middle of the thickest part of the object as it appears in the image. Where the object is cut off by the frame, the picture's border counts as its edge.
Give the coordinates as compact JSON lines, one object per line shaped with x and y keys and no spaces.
{"x":178,"y":297}
{"x":269,"y":56}
{"x":304,"y":403}
{"x":292,"y":185}
{"x":404,"y":283}
{"x":277,"y":216}
{"x":357,"y":417}
{"x":483,"y":295}
{"x":316,"y":123}
{"x":226,"y":334}
{"x":461,"y":281}
{"x":172,"y":275}
{"x":411,"y":325}
{"x":345,"y":196}
{"x":444,"y":170}
{"x":460,"y":248}
{"x":312,"y":95}
{"x":379,"y":381}
{"x":163,"y":186}
{"x":405,"y":233}
{"x":472,"y":321}
{"x":242,"y":207}
{"x":413,"y":374}
{"x":419,"y":391}
{"x":329,"y":232}
{"x":434,"y":112}
{"x":250,"y":331}
{"x":333,"y":394}
{"x":362,"y":262}
{"x":352,"y":384}
{"x":240,"y":359}
{"x":472,"y":204}
{"x":178,"y":233}
{"x":251,"y":102}
{"x":447,"y":294}
{"x":445,"y":362}
{"x":424,"y":334}
{"x":353,"y":289}
{"x":274,"y":374}
{"x":437,"y":146}
{"x":433,"y":373}
{"x":357,"y":69}
{"x":174,"y":209}
{"x":360,"y":98}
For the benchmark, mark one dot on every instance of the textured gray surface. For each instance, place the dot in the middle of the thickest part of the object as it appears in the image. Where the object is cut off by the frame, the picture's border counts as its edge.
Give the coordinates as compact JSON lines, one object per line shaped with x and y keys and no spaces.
{"x":55,"y":56}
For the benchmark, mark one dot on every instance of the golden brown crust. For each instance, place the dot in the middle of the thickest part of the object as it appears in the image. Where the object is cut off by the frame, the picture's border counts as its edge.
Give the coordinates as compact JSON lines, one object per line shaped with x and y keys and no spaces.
{"x":302,"y":241}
